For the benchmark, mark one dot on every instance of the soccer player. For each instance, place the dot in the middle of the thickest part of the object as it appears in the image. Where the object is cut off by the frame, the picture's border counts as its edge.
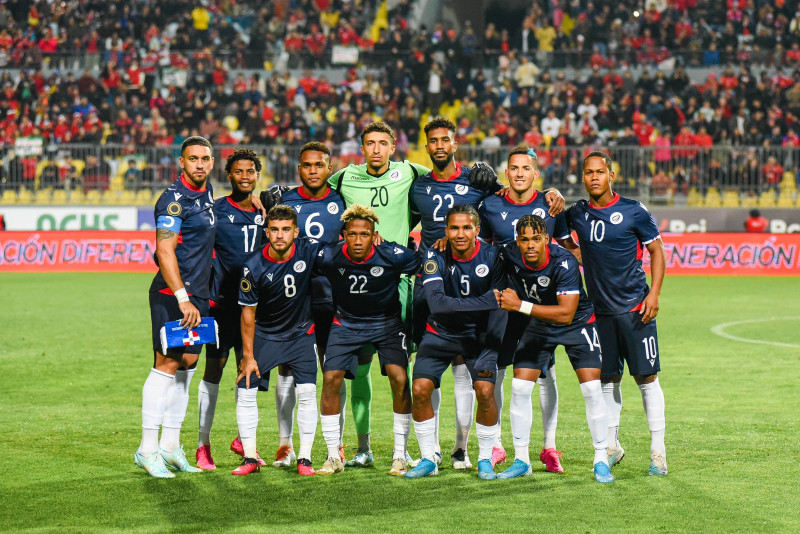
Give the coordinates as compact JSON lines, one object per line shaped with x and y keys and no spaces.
{"x":364,"y":278}
{"x":611,"y":232}
{"x":185,"y":227}
{"x":461,"y":290}
{"x":319,"y":209}
{"x":500,"y":215}
{"x":240,"y":231}
{"x":277,"y":328}
{"x":549,"y":279}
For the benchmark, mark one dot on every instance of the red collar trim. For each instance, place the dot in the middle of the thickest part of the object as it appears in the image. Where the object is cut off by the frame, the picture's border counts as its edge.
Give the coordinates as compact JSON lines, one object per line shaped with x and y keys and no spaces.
{"x":614,"y":201}
{"x":453,"y":177}
{"x":191,"y":187}
{"x":305,"y":196}
{"x":273,"y":260}
{"x":546,"y":262}
{"x":477,"y":249}
{"x":365,"y":260}
{"x":237,"y":206}
{"x":535,"y":194}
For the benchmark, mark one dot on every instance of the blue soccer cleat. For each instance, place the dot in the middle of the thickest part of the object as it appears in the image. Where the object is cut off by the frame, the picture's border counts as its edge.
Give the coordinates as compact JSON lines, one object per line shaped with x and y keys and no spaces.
{"x":425,"y":468}
{"x":517,"y":469}
{"x":361,"y":459}
{"x":177,"y":460}
{"x":615,"y":456}
{"x":602,"y":473}
{"x":485,"y":470}
{"x":153,"y":464}
{"x":658,"y":464}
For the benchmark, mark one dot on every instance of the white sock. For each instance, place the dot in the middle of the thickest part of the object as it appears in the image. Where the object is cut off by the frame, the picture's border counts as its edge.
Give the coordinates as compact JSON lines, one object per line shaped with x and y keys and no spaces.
{"x":330,"y":431}
{"x":548,"y":402}
{"x":306,"y":418}
{"x":465,"y":405}
{"x":154,"y":401}
{"x":247,"y":419}
{"x":486,"y":437}
{"x":612,"y":393}
{"x":654,"y":408}
{"x":597,"y":418}
{"x":521,"y":413}
{"x":436,"y":404}
{"x":207,"y":394}
{"x":498,"y":399}
{"x":285,"y":401}
{"x":402,"y":428}
{"x":425,"y":431}
{"x":175,"y":412}
{"x":342,"y":403}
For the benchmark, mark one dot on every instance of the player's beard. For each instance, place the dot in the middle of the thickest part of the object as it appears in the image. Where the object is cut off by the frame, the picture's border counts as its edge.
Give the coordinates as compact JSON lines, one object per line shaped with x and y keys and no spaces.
{"x":442,"y":165}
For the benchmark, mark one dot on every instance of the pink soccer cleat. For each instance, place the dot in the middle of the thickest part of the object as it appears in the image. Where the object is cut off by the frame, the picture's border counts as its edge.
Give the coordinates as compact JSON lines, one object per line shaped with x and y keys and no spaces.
{"x":204,"y":459}
{"x":498,"y":456}
{"x":551,"y":459}
{"x":304,"y":467}
{"x":237,"y":448}
{"x":249,"y":465}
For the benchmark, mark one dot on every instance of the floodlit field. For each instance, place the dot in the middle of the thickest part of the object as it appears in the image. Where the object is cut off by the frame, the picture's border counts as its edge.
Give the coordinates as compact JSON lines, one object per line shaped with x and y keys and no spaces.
{"x":75,"y":351}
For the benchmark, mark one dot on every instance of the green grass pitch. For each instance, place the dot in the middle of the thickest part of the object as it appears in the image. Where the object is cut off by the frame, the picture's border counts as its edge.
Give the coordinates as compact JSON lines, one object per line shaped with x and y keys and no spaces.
{"x":74,"y":353}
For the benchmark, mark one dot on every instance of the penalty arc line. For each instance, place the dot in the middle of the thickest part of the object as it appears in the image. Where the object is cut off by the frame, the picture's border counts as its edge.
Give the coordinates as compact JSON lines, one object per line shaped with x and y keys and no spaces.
{"x":719,"y":330}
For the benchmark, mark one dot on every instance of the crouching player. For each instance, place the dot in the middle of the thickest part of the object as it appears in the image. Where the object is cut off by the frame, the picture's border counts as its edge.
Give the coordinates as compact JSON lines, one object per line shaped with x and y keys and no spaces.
{"x":277,"y":328}
{"x":461,"y":286}
{"x":548,"y":275}
{"x":364,"y":278}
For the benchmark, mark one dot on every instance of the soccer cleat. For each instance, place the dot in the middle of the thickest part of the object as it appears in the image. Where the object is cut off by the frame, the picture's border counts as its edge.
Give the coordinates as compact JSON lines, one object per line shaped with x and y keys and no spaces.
{"x":304,"y":467}
{"x":177,"y":460}
{"x":615,"y":456}
{"x":249,"y":465}
{"x":425,"y":468}
{"x":361,"y":459}
{"x":517,"y":469}
{"x":658,"y":464}
{"x":460,"y":460}
{"x":204,"y":459}
{"x":285,"y":457}
{"x":602,"y":473}
{"x":437,"y":456}
{"x":237,"y":448}
{"x":331,"y":466}
{"x":498,"y":456}
{"x":342,"y":457}
{"x":153,"y":464}
{"x":485,"y":470}
{"x":551,"y":459}
{"x":399,"y":467}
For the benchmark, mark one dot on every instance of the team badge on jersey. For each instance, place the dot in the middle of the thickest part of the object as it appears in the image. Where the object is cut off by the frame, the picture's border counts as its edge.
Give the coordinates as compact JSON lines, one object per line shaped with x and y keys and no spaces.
{"x":259,"y":219}
{"x":615,"y":218}
{"x":482,"y":270}
{"x":333,"y":209}
{"x":395,"y":175}
{"x":543,"y":281}
{"x":174,"y":208}
{"x":376,"y":271}
{"x":245,"y":285}
{"x":539,"y":212}
{"x":300,"y":266}
{"x":431,"y":267}
{"x":462,"y":189}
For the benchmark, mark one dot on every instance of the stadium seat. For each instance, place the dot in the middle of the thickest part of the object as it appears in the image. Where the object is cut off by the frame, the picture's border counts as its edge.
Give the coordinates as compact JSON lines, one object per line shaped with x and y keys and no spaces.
{"x":25,"y":196}
{"x":94,"y":197}
{"x":767,"y":199}
{"x":730,"y":199}
{"x":785,"y":200}
{"x":712,"y":199}
{"x":144,"y":197}
{"x":76,"y":196}
{"x":749,"y":201}
{"x":117,"y":183}
{"x":127,"y":198}
{"x":110,"y":197}
{"x":9,"y":197}
{"x":43,"y":196}
{"x":694,"y":199}
{"x":59,"y":196}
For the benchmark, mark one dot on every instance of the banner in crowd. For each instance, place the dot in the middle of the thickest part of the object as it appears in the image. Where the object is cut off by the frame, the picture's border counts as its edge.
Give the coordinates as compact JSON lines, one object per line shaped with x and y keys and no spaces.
{"x":684,"y":220}
{"x":45,"y":218}
{"x":87,"y":251}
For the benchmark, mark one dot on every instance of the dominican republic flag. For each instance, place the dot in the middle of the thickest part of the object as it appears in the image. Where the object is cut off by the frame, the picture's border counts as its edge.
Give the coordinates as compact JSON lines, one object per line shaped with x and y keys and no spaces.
{"x":174,"y":335}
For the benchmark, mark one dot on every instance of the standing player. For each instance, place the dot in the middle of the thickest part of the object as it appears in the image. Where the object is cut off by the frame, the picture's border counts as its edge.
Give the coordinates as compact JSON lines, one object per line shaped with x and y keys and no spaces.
{"x":185,"y":226}
{"x":461,"y":290}
{"x":611,"y":231}
{"x":549,"y":276}
{"x":277,"y":329}
{"x":500,"y":215}
{"x":364,"y":278}
{"x":240,"y":229}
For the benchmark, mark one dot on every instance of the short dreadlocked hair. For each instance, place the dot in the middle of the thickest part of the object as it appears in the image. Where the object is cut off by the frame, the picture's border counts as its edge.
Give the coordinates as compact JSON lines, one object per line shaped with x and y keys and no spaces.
{"x":359,"y":212}
{"x":534,"y":222}
{"x":242,"y":154}
{"x":315,"y":146}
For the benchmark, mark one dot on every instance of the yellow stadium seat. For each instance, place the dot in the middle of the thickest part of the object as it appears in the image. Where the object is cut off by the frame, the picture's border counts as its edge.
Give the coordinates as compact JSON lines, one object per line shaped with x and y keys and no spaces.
{"x":785,"y":201}
{"x":43,"y":196}
{"x":110,"y":197}
{"x":694,"y":199}
{"x":127,"y":198}
{"x":59,"y":196}
{"x":730,"y":199}
{"x":25,"y":196}
{"x":713,"y":199}
{"x":749,"y":201}
{"x":117,"y":183}
{"x":9,"y":197}
{"x":788,"y":176}
{"x":94,"y":197}
{"x":767,"y":199}
{"x":144,"y":197}
{"x":76,"y":196}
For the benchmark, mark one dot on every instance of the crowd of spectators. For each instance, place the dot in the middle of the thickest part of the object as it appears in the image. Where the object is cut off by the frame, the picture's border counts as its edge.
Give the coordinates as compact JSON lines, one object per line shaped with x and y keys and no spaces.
{"x":152,"y":73}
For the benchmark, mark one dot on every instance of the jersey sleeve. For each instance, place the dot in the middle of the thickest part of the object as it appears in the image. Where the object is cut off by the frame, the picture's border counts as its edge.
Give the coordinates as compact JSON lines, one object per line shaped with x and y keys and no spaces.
{"x":486,"y":228}
{"x":644,"y":225}
{"x":417,"y":169}
{"x":561,"y":230}
{"x":248,"y":287}
{"x":439,"y":302}
{"x":168,"y":215}
{"x":499,"y":278}
{"x":569,"y":215}
{"x":318,"y":268}
{"x":216,"y":281}
{"x":569,"y":277}
{"x":335,"y":182}
{"x":407,"y":261}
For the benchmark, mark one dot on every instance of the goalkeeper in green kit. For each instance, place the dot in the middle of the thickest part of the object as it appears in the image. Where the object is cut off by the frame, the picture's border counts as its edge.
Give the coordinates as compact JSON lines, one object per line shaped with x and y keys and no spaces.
{"x":384,"y":186}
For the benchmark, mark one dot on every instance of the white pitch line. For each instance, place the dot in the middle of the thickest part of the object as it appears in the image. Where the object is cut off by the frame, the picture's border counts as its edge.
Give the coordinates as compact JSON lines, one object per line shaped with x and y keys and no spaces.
{"x":720,"y":331}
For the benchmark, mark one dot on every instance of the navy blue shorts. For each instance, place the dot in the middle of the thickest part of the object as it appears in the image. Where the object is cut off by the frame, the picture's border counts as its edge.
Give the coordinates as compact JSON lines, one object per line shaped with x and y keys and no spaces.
{"x":626,"y":338}
{"x":345,"y":343}
{"x":230,"y":332}
{"x":299,"y":354}
{"x":437,"y":351}
{"x":419,"y":311}
{"x":164,"y":308}
{"x":322,"y":310}
{"x":515,"y":327}
{"x":581,"y":343}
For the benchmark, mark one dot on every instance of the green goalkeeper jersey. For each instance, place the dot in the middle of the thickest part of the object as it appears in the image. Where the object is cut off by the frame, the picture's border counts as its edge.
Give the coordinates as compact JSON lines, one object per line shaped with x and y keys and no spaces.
{"x":387,"y":194}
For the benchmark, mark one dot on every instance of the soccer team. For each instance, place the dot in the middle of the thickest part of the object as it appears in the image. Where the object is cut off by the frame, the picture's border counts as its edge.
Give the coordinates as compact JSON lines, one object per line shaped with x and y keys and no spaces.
{"x":325,"y":280}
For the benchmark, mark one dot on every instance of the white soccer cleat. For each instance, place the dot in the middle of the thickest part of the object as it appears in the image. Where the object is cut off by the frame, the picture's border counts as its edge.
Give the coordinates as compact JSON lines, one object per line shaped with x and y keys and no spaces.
{"x":331,"y":466}
{"x":285,"y":457}
{"x":460,"y":460}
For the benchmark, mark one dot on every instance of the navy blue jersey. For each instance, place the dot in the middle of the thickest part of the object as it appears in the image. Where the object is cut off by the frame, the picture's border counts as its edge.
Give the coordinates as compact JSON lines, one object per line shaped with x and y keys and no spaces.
{"x":611,"y":240}
{"x":366,"y":293}
{"x":281,"y":290}
{"x":560,"y":275}
{"x":459,"y":292}
{"x":431,"y":198}
{"x":185,"y":210}
{"x":239,"y":233}
{"x":499,"y":216}
{"x":317,"y":218}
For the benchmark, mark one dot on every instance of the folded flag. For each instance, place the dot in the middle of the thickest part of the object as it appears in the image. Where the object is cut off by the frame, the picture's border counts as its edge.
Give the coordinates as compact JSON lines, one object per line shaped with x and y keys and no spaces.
{"x":174,"y":335}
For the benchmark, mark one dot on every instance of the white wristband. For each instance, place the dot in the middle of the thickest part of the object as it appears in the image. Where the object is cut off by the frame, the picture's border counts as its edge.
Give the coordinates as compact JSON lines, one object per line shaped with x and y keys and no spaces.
{"x":526,"y":307}
{"x":181,"y":295}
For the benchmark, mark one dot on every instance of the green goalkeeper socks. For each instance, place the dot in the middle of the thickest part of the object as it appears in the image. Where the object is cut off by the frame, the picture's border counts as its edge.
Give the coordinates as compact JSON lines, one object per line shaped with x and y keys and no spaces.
{"x":361,"y":398}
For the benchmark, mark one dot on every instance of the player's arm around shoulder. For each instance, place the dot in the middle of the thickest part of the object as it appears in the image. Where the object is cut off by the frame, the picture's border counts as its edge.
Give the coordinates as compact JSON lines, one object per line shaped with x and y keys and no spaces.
{"x":405,"y":260}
